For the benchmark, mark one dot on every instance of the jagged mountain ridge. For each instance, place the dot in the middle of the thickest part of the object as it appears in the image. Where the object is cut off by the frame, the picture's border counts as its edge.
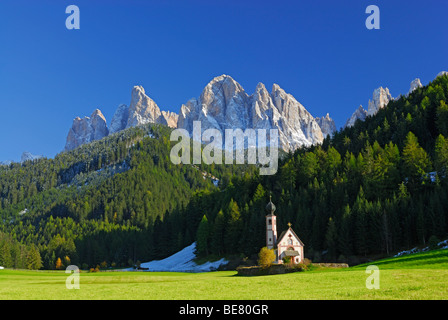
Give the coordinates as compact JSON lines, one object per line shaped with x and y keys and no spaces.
{"x":380,"y":98}
{"x":26,"y":156}
{"x":141,"y":110}
{"x":222,"y":105}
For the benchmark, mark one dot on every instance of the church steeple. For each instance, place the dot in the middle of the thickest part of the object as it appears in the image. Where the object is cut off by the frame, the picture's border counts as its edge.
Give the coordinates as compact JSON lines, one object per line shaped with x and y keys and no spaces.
{"x":271,"y":225}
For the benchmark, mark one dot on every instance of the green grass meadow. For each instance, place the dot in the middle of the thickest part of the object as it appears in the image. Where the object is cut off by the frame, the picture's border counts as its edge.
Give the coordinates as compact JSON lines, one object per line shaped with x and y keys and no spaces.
{"x":417,"y":276}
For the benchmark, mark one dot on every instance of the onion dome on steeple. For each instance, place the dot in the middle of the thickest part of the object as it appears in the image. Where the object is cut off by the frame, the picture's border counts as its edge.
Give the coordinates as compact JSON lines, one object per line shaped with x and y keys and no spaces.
{"x":270,"y":208}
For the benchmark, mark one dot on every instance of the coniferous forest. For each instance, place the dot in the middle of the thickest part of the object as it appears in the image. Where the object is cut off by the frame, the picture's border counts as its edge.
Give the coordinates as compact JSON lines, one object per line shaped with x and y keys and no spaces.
{"x":372,"y":189}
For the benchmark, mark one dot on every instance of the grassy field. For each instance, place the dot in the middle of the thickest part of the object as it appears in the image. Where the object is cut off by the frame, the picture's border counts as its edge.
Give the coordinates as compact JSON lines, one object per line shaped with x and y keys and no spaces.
{"x":417,"y":276}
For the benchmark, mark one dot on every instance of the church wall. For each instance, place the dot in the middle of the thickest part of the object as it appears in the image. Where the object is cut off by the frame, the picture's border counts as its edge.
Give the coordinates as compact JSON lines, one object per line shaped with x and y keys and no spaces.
{"x":285,"y":243}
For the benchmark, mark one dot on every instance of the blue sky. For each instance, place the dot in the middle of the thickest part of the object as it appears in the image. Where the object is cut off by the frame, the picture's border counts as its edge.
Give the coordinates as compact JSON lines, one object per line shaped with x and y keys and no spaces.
{"x":319,"y":51}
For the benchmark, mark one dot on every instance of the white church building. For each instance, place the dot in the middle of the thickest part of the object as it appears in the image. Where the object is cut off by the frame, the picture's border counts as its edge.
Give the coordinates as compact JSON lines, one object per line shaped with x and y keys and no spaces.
{"x":288,"y":244}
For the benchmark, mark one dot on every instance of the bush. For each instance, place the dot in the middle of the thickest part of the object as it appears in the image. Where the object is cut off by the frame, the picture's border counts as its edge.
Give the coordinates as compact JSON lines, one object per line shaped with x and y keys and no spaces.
{"x":307,"y":262}
{"x":266,"y":257}
{"x":295,"y":268}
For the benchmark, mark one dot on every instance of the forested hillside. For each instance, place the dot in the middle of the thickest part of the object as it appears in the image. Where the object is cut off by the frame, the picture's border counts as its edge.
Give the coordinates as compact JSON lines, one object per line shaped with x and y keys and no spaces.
{"x":102,"y":203}
{"x":374,"y":188}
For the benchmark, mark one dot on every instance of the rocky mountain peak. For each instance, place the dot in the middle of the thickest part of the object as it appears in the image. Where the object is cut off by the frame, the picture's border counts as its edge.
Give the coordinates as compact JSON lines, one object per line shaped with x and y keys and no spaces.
{"x":224,"y":104}
{"x":170,"y":118}
{"x":415,"y":84}
{"x":381,"y":97}
{"x":442,"y":73}
{"x":86,"y":130}
{"x":142,"y":109}
{"x":327,"y":125}
{"x":359,"y":113}
{"x":26,"y":156}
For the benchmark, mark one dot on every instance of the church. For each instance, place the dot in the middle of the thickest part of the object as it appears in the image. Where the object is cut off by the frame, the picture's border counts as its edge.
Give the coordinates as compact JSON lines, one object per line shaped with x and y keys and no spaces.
{"x":288,"y":244}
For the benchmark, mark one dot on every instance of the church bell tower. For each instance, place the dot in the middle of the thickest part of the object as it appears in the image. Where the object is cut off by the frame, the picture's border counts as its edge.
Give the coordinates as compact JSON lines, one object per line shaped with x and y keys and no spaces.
{"x":271,"y":225}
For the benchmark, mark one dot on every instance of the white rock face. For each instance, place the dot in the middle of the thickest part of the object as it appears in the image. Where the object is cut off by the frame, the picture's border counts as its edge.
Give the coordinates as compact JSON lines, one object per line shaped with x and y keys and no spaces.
{"x":442,"y":73}
{"x":380,"y":99}
{"x":327,"y":125}
{"x":170,"y":118}
{"x":120,"y":119}
{"x":359,"y":113}
{"x":86,"y":130}
{"x":143,"y":109}
{"x":415,"y":84}
{"x":224,"y":104}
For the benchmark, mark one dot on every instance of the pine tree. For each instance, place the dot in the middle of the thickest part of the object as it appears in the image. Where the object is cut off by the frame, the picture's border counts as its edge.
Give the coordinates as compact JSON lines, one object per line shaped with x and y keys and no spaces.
{"x":202,"y":237}
{"x":441,"y":156}
{"x":33,"y":258}
{"x":360,"y":223}
{"x":442,"y":118}
{"x":217,"y":242}
{"x":345,"y":239}
{"x":233,"y":228}
{"x":5,"y":254}
{"x":331,"y":239}
{"x":416,"y":160}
